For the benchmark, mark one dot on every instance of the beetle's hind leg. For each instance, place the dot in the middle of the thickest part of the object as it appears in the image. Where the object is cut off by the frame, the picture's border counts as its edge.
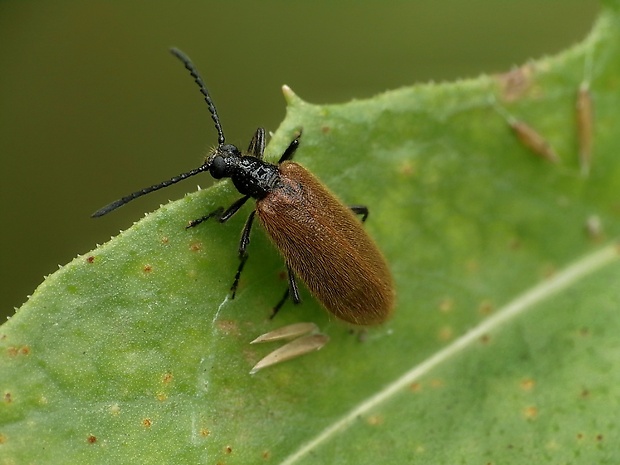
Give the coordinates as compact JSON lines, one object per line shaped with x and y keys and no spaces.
{"x":291,"y":291}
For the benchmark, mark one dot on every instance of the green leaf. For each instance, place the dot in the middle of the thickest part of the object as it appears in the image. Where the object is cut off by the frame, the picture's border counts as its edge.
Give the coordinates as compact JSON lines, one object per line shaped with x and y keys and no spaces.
{"x":502,"y":349}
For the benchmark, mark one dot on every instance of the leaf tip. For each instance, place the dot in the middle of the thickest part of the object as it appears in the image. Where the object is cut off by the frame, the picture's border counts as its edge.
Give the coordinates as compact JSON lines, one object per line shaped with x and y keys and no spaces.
{"x":291,"y":97}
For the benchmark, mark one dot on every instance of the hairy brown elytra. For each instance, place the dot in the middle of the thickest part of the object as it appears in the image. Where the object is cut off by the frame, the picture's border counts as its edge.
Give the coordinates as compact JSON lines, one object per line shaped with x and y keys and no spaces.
{"x":321,"y":240}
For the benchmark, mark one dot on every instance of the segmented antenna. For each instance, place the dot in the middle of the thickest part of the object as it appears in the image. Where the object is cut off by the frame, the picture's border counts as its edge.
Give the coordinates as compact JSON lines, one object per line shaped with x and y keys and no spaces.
{"x":203,"y":90}
{"x":205,"y":167}
{"x":120,"y":202}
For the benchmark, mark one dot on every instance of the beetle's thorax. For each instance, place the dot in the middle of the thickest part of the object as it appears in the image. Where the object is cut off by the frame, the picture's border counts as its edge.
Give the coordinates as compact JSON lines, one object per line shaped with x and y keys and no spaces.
{"x":250,"y":175}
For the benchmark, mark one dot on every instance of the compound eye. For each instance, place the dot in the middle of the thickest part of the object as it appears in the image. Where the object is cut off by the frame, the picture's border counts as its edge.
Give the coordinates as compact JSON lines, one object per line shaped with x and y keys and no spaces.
{"x":218,"y":167}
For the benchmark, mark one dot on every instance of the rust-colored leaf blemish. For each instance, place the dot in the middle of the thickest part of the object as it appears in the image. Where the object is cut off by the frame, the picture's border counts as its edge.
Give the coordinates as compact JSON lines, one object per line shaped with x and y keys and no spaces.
{"x":486,"y":307}
{"x":90,"y":259}
{"x":2,"y":439}
{"x":167,"y":378}
{"x":325,"y":129}
{"x":147,"y":422}
{"x":406,"y":169}
{"x":579,"y":436}
{"x":8,"y":398}
{"x":585,"y":393}
{"x":161,"y":396}
{"x":266,"y":455}
{"x":415,"y":387}
{"x":485,"y":339}
{"x":164,"y":240}
{"x":147,"y":268}
{"x":527,"y":384}
{"x":530,"y":412}
{"x":195,"y":246}
{"x":91,"y":439}
{"x":599,"y":437}
{"x":204,"y":432}
{"x":228,"y":450}
{"x":13,"y":351}
{"x":228,"y":326}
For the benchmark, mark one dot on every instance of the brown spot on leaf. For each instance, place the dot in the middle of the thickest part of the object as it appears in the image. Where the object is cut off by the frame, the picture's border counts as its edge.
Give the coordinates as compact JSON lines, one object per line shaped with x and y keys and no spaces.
{"x":527,"y":384}
{"x":147,"y":268}
{"x":407,"y":169}
{"x":90,"y":259}
{"x":415,"y":387}
{"x":91,"y":439}
{"x":147,"y":422}
{"x":486,"y":307}
{"x":195,"y":246}
{"x":228,"y":327}
{"x":530,"y":412}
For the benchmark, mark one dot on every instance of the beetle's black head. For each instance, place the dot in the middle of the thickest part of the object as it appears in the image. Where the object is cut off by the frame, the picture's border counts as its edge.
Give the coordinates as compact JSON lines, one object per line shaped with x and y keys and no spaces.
{"x":223,"y":160}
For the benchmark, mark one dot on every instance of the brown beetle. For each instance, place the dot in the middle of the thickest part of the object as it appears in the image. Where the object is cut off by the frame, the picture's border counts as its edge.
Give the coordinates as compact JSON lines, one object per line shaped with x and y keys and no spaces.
{"x":321,"y":240}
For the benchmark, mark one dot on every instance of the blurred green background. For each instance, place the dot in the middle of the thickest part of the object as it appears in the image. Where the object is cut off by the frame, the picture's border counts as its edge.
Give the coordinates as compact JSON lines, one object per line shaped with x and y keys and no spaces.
{"x":93,"y":107}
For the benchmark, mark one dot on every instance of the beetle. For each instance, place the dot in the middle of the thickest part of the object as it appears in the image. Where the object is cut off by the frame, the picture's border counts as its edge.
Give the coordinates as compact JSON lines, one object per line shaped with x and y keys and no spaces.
{"x":321,"y":240}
